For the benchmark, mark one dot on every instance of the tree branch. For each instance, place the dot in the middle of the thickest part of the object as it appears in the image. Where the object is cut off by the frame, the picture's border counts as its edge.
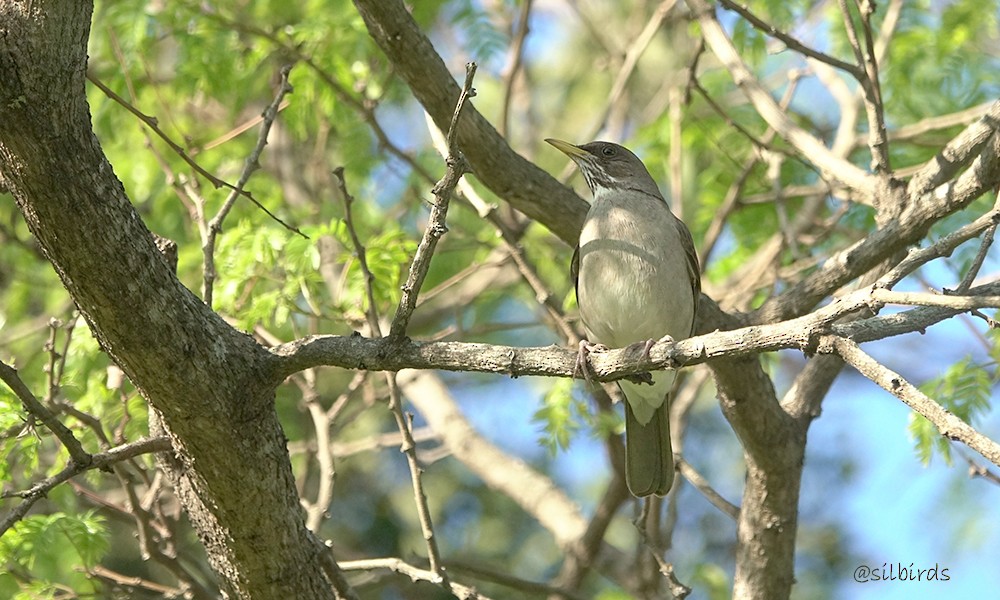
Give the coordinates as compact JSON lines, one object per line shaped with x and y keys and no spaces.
{"x":78,"y":455}
{"x":948,"y":424}
{"x":833,"y":167}
{"x":497,"y":166}
{"x":101,"y":460}
{"x":357,"y":352}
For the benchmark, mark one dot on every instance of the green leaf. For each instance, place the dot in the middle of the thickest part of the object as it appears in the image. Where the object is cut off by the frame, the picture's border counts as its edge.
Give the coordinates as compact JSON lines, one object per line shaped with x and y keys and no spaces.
{"x":556,"y":416}
{"x":964,"y":389}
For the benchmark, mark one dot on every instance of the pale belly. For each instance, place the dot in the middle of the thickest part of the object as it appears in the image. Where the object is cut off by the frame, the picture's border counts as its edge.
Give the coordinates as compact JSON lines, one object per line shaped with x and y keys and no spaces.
{"x":625,"y":299}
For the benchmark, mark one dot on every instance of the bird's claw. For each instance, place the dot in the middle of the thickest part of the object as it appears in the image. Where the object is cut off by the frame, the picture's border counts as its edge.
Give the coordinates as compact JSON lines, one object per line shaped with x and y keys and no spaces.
{"x":646,"y":346}
{"x":582,"y":359}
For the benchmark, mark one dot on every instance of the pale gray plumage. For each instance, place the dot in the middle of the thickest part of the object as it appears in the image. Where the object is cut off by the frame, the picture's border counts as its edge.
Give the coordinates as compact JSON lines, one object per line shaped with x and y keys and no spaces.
{"x":637,"y":279}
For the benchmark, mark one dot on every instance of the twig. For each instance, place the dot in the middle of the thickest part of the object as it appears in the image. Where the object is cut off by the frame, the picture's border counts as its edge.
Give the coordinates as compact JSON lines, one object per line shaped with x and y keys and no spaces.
{"x":512,"y":245}
{"x":790,"y":42}
{"x":942,"y":247}
{"x":947,"y":423}
{"x":702,"y":485}
{"x":371,"y":311}
{"x":867,"y":76}
{"x":984,"y":248}
{"x":418,"y":271}
{"x":959,"y":303}
{"x":534,"y":492}
{"x":324,"y":457}
{"x":333,"y":571}
{"x":251,"y":164}
{"x":515,"y":583}
{"x":101,"y":460}
{"x":632,"y":55}
{"x":79,"y":456}
{"x":404,"y":422}
{"x":363,"y":106}
{"x":57,"y":359}
{"x":417,"y":574}
{"x":133,"y":582}
{"x":151,"y":122}
{"x":678,"y":590}
{"x":978,"y":470}
{"x":515,"y":61}
{"x":436,"y":223}
{"x":939,"y":122}
{"x":833,"y":167}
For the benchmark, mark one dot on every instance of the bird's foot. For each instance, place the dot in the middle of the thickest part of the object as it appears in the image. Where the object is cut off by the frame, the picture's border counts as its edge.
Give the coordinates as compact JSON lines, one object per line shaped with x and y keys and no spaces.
{"x":583,"y":359}
{"x":646,"y":346}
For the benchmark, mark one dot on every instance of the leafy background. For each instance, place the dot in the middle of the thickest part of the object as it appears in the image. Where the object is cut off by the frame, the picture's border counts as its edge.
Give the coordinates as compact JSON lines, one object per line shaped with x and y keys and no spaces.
{"x":879,"y":487}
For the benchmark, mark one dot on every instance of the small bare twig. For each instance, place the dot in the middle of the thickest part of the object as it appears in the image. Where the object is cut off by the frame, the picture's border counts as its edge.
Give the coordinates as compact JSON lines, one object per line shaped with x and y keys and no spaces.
{"x":834,"y":168}
{"x":702,"y":485}
{"x":942,"y":247}
{"x":867,"y":76}
{"x":978,"y":470}
{"x":403,"y":568}
{"x":133,"y":583}
{"x":371,"y":311}
{"x":364,"y":106}
{"x":436,"y":223}
{"x":515,"y":60}
{"x":790,"y":42}
{"x":179,"y":151}
{"x":984,"y":248}
{"x":418,"y":271}
{"x":632,"y":55}
{"x":678,"y":590}
{"x":251,"y":164}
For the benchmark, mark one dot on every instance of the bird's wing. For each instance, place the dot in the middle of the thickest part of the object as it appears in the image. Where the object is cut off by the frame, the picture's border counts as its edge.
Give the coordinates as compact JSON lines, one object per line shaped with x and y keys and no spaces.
{"x":693,"y":266}
{"x":574,"y":270}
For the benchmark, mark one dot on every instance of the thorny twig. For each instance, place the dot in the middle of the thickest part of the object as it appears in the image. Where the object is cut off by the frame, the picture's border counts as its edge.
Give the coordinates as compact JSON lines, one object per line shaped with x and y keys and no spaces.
{"x":151,"y":122}
{"x":418,"y":271}
{"x":439,"y":209}
{"x":252,"y":164}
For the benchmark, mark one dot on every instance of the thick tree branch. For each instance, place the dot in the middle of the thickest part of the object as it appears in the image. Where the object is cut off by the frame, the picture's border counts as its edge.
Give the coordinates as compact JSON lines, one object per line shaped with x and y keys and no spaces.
{"x":526,"y":187}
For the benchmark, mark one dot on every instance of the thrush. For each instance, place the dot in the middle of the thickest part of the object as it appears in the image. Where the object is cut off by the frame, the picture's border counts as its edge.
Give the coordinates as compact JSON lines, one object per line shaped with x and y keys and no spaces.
{"x":637,"y":281}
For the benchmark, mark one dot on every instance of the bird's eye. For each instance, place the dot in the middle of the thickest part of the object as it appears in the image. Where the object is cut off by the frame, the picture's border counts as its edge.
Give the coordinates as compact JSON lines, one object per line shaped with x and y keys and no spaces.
{"x":608,"y":151}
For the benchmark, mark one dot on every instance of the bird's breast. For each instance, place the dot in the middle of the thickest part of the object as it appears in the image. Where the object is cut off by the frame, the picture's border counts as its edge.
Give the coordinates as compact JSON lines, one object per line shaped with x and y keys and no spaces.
{"x":633,"y":283}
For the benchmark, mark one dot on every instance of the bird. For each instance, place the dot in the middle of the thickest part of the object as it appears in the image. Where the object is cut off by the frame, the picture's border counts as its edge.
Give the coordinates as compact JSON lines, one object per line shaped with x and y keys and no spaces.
{"x":637,"y":280}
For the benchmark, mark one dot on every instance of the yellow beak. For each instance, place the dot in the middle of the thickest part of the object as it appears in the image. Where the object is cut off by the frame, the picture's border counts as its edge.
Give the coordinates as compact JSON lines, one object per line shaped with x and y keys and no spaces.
{"x":571,"y":150}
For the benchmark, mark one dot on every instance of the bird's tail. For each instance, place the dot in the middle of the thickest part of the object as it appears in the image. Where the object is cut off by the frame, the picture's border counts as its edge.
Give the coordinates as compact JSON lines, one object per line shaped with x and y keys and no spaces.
{"x":649,"y":459}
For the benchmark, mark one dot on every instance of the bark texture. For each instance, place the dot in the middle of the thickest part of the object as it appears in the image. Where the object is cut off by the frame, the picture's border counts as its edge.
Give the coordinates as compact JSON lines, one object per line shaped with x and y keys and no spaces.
{"x":210,"y":383}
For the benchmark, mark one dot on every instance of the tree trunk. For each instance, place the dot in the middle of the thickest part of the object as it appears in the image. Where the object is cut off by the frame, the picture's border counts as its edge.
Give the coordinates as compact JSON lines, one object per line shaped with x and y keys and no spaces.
{"x":212,"y":384}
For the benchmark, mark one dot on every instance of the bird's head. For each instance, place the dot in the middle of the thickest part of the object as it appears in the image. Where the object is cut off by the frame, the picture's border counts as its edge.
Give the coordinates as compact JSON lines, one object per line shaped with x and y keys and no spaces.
{"x":608,"y":167}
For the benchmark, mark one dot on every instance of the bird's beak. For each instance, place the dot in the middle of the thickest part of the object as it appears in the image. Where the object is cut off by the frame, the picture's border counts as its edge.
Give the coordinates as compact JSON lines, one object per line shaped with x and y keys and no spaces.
{"x":571,"y":150}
